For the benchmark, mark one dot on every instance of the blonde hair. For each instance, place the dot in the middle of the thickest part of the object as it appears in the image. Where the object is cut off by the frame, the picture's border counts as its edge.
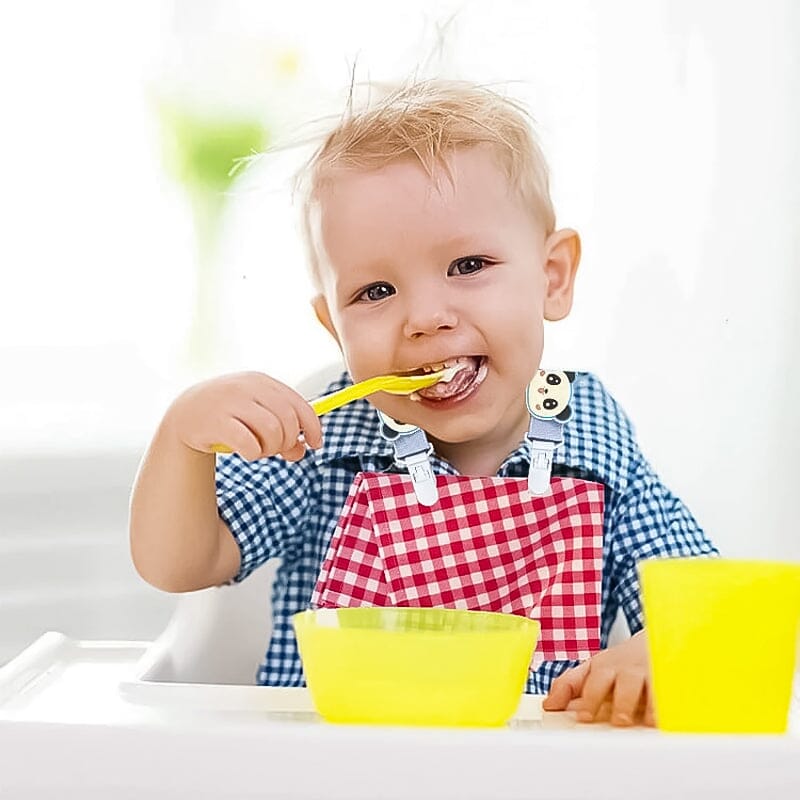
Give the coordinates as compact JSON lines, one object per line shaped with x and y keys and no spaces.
{"x":428,"y":120}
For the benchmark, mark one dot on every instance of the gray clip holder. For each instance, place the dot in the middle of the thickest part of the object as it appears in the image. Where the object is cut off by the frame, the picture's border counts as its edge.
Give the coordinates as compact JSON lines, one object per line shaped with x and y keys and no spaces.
{"x":412,"y":451}
{"x":543,"y":436}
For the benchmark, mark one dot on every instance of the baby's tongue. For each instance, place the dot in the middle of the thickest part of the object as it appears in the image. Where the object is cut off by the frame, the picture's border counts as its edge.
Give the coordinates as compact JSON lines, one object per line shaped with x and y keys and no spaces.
{"x":462,"y":379}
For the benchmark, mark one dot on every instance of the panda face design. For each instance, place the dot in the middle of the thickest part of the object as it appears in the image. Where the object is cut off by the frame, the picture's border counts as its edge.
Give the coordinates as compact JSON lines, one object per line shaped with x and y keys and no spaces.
{"x":549,"y":393}
{"x":391,"y":428}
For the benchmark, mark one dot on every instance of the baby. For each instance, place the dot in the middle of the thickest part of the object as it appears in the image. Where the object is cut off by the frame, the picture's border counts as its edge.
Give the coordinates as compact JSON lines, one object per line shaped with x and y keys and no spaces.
{"x":432,"y":240}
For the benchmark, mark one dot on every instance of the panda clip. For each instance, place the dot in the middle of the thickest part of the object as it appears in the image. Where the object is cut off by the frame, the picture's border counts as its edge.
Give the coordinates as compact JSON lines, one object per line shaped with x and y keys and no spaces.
{"x":412,"y":451}
{"x":548,"y":396}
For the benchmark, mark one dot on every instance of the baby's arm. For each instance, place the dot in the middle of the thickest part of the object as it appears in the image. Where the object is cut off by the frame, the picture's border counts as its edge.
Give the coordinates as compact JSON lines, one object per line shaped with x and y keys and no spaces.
{"x":178,"y":542}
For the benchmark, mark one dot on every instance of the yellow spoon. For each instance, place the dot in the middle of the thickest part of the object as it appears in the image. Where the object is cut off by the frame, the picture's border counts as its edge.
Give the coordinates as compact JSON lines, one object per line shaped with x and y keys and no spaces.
{"x":393,"y":384}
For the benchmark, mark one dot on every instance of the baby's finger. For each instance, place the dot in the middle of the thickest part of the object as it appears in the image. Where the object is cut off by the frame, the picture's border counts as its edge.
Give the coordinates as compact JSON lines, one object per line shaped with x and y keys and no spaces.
{"x":603,"y":714}
{"x":649,"y":705}
{"x":267,"y":427}
{"x":276,"y":396}
{"x":309,"y":422}
{"x":565,"y":687}
{"x":294,"y":453}
{"x":596,"y":689}
{"x":284,"y":408}
{"x":628,"y":690}
{"x":277,"y":427}
{"x":287,"y":415}
{"x":241,"y":439}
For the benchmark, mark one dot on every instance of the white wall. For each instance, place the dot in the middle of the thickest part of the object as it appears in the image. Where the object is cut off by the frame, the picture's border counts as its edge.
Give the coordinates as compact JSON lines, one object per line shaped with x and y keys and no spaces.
{"x":702,"y":223}
{"x":671,"y":128}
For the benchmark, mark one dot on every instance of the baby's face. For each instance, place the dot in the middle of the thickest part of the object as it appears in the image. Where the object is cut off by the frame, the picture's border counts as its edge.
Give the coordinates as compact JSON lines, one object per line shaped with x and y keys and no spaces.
{"x":414,"y":276}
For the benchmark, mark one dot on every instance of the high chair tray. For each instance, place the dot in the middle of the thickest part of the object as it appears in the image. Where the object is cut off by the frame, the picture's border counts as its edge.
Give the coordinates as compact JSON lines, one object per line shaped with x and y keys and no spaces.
{"x":147,"y":686}
{"x":78,"y":720}
{"x":58,"y":679}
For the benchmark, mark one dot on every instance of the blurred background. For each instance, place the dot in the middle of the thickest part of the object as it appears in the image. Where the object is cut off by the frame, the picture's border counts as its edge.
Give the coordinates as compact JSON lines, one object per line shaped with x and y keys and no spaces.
{"x":133,"y":263}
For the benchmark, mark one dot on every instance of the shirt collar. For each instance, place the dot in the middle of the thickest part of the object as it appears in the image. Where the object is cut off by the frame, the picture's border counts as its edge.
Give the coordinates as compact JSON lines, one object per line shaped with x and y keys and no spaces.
{"x":598,"y":441}
{"x":352,"y":431}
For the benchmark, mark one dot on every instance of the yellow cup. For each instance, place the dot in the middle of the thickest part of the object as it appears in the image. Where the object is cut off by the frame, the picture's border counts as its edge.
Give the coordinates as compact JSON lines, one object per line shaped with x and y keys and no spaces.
{"x":723,"y":638}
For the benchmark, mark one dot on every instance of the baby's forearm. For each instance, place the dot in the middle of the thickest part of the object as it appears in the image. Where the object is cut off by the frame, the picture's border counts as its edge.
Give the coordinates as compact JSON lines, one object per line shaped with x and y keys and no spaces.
{"x":178,"y":543}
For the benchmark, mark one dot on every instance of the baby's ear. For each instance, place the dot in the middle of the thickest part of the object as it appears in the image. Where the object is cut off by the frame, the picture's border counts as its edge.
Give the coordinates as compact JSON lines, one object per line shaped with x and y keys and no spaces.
{"x":320,"y":306}
{"x":562,"y":256}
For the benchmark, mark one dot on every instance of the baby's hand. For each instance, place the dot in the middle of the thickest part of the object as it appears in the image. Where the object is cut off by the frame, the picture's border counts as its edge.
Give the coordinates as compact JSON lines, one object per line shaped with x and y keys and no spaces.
{"x":613,"y":685}
{"x":248,"y":412}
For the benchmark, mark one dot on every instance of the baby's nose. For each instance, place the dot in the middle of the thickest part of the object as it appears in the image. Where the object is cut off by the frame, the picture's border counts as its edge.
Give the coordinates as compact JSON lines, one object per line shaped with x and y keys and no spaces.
{"x":425,"y":320}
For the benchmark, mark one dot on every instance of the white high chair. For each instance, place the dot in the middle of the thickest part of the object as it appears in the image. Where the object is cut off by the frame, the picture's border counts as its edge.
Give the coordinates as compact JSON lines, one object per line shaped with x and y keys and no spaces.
{"x":220,"y":635}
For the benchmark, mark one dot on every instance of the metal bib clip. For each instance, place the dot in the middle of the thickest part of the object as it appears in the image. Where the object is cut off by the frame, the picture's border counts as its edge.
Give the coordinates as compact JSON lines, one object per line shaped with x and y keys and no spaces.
{"x":412,"y":451}
{"x":547,"y":397}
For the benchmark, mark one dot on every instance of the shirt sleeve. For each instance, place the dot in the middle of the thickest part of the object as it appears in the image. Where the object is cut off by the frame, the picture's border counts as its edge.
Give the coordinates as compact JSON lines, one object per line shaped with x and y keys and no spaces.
{"x":265,"y":504}
{"x":646,"y":521}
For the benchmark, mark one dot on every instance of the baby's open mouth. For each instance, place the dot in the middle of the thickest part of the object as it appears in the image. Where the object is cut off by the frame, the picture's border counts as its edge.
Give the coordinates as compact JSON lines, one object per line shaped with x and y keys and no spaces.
{"x":471,"y":373}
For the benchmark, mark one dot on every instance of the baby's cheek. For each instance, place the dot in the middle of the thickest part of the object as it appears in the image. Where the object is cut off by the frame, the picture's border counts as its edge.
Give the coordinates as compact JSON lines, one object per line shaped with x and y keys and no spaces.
{"x":370,"y":355}
{"x":362,"y":365}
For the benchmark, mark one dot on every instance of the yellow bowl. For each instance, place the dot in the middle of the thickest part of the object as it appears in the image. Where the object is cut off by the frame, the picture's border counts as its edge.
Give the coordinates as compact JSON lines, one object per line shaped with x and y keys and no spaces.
{"x":415,"y":666}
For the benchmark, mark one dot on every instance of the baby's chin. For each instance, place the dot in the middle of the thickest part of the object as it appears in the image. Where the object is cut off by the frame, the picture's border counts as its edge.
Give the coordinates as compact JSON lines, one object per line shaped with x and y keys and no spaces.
{"x":447,"y":440}
{"x":456,"y":433}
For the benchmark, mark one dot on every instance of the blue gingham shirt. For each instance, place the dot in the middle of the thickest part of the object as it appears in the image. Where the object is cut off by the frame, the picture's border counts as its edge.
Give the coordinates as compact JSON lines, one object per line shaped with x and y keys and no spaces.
{"x":277,"y":509}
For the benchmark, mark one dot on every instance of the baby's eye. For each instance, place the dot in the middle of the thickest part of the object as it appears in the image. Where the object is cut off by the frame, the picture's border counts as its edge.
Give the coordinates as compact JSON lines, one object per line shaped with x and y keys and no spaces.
{"x":466,"y":266}
{"x":377,"y":291}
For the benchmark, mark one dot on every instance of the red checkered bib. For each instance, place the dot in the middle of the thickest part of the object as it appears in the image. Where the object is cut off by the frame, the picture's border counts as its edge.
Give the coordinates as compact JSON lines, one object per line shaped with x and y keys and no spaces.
{"x":486,"y":545}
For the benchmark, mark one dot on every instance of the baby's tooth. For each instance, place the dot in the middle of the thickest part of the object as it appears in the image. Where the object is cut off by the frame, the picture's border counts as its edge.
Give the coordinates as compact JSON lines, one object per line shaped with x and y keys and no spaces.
{"x":450,"y":372}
